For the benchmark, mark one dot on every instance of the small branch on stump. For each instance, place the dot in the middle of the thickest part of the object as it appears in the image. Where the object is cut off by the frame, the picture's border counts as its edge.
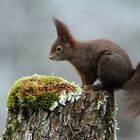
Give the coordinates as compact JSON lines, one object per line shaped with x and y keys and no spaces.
{"x":91,"y":117}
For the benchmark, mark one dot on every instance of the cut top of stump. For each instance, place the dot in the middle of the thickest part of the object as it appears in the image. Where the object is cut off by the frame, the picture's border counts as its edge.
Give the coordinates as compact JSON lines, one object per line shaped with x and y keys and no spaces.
{"x":41,"y":92}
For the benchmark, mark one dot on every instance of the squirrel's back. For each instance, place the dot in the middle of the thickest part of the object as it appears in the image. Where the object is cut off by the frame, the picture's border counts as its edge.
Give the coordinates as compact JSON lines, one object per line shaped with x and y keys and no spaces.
{"x":99,"y":46}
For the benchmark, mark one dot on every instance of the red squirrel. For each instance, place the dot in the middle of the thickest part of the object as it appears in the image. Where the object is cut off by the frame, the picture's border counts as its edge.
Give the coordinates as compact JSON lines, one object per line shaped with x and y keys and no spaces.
{"x":98,"y":59}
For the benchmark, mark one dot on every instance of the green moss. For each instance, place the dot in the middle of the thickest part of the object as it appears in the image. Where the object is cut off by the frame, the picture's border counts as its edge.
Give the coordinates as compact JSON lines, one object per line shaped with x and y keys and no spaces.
{"x":12,"y":124}
{"x":37,"y":92}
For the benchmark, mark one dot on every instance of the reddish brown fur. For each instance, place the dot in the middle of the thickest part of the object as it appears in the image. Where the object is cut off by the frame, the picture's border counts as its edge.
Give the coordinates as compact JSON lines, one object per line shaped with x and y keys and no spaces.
{"x":94,"y":59}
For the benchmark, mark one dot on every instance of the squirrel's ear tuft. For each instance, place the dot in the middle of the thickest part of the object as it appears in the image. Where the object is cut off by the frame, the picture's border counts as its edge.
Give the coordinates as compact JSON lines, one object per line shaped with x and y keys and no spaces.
{"x":62,"y":30}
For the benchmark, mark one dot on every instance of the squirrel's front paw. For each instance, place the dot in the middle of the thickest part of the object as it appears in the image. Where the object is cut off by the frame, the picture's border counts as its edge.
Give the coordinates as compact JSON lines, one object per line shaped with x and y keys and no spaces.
{"x":96,"y":87}
{"x":88,"y":87}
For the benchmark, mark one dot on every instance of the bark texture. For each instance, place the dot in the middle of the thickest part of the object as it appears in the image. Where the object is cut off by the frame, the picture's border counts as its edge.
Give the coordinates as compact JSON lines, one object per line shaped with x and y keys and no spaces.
{"x":92,"y":117}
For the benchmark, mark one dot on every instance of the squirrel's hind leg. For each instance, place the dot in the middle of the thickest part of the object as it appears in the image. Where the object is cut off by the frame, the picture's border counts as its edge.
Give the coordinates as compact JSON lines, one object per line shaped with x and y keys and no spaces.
{"x":113,"y":70}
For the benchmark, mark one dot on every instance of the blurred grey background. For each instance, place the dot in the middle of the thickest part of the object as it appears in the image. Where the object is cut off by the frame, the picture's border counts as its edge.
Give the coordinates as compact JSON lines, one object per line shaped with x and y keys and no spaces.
{"x":27,"y":32}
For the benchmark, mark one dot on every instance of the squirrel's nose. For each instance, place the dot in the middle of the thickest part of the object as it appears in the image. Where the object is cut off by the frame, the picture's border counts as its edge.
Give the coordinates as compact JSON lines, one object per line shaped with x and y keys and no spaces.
{"x":51,"y":57}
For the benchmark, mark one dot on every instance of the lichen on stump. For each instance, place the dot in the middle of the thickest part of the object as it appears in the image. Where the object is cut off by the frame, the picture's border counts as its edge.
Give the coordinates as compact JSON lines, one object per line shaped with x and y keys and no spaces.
{"x":51,"y":108}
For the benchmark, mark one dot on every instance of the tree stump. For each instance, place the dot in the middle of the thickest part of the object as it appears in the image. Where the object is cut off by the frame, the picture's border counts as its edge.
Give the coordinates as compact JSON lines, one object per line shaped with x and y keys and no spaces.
{"x":91,"y":117}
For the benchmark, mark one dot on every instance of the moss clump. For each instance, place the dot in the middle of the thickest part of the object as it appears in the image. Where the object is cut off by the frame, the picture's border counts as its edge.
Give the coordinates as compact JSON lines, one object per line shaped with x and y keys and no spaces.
{"x":40,"y":92}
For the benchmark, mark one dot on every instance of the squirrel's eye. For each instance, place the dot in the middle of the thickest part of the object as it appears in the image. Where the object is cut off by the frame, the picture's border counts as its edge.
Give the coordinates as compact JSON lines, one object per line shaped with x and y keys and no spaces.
{"x":59,"y":48}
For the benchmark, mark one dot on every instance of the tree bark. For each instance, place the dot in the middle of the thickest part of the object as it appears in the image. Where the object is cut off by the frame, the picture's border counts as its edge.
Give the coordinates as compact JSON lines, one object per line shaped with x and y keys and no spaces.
{"x":92,"y":117}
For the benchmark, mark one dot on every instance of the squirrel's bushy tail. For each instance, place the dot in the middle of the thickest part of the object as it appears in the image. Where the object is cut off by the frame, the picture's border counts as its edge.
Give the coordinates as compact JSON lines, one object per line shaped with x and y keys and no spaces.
{"x":133,"y":93}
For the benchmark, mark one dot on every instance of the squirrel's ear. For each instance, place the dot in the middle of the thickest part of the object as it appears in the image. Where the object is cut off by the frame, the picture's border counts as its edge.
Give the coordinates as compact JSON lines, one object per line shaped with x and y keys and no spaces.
{"x":62,"y":30}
